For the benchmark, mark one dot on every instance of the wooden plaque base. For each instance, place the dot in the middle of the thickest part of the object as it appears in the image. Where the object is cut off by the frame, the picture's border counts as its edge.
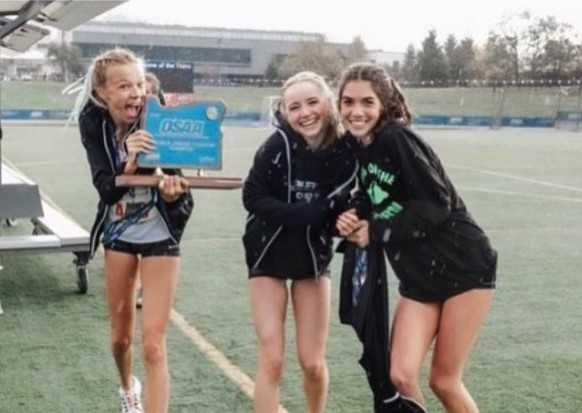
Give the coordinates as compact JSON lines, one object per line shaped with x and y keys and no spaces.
{"x":198,"y":182}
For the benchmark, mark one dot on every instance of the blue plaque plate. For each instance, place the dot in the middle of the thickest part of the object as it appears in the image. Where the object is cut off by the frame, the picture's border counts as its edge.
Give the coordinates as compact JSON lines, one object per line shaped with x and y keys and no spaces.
{"x":186,"y":136}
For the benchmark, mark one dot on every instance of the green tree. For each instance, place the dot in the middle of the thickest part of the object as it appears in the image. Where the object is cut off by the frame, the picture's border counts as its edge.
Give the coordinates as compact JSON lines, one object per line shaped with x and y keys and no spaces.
{"x":320,"y":57}
{"x":559,"y":58}
{"x":273,"y":69}
{"x":467,"y":59}
{"x":499,"y":58}
{"x":409,"y":70}
{"x":452,"y":57}
{"x":356,"y":51}
{"x":460,"y":58}
{"x":550,"y":50}
{"x":510,"y":44}
{"x":576,"y":70}
{"x":67,"y":58}
{"x":431,"y":61}
{"x":395,"y":70}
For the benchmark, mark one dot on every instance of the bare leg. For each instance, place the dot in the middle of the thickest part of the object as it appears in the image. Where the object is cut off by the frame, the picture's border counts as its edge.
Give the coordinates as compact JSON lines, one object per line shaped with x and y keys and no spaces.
{"x":269,"y":307}
{"x":159,"y":279}
{"x":138,"y":286}
{"x":311,"y":305}
{"x":120,"y":279}
{"x":461,"y":318}
{"x":415,"y":325}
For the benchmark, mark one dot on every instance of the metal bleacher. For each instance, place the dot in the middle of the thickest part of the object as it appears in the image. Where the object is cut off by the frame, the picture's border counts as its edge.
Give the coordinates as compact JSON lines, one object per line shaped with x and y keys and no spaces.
{"x":22,"y":24}
{"x":53,"y":230}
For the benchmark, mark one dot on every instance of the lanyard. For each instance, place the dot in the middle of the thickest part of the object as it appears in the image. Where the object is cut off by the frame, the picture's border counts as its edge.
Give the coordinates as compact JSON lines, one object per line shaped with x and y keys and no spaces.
{"x":360,"y":274}
{"x":115,"y":229}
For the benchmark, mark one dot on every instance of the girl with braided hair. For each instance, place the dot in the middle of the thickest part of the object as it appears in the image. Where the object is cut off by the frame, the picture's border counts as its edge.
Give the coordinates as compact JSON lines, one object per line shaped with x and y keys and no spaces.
{"x":442,"y":258}
{"x":137,"y":226}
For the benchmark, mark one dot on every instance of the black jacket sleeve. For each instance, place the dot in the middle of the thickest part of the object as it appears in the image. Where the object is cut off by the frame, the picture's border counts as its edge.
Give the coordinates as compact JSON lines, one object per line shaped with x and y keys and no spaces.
{"x":428,"y":193}
{"x":259,"y":195}
{"x":179,"y":211}
{"x":341,"y":198}
{"x":103,"y":176}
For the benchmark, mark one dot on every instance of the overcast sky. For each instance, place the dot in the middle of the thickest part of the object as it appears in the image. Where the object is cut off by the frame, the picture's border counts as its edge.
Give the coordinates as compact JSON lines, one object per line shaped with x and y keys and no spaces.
{"x":382,"y":24}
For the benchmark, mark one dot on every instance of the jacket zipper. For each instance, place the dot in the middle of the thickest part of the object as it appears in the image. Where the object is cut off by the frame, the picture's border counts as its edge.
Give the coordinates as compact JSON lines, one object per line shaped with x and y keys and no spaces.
{"x":267,"y":247}
{"x":288,"y":156}
{"x":97,"y":229}
{"x":346,"y":183}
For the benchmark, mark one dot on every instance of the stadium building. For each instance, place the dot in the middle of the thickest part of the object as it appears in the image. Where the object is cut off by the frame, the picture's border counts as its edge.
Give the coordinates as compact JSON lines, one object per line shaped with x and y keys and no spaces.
{"x":207,"y":55}
{"x":215,"y":53}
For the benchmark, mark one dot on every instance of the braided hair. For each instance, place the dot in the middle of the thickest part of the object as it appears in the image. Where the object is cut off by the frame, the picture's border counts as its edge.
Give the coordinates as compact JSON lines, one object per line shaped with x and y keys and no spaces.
{"x":97,"y":76}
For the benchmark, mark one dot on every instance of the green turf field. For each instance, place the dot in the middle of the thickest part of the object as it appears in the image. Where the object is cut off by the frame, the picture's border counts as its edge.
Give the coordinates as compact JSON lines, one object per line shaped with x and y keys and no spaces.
{"x":524,"y":186}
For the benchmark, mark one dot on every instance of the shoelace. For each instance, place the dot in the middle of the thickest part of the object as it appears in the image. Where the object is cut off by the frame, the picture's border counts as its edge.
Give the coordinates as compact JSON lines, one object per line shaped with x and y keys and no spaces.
{"x":130,"y":403}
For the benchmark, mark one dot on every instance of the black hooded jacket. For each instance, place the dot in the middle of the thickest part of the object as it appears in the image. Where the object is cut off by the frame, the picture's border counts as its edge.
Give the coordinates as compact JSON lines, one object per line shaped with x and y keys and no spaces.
{"x":364,"y":306}
{"x":281,"y":164}
{"x":98,"y":137}
{"x":434,"y":246}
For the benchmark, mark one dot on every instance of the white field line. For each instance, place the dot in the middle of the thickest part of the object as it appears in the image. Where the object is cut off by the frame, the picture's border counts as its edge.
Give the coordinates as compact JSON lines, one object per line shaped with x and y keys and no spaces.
{"x":536,"y":229}
{"x":233,"y":372}
{"x":522,"y":194}
{"x":518,"y":178}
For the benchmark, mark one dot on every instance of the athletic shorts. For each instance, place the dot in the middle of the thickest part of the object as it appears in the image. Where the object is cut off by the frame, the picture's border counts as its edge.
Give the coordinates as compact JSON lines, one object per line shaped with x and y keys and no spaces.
{"x":165,"y":248}
{"x":254,"y":273}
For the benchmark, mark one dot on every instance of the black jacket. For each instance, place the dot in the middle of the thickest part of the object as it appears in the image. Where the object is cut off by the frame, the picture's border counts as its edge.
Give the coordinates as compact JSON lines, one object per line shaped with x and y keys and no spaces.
{"x":283,"y":160}
{"x":364,"y":306}
{"x":98,"y":137}
{"x":417,"y":214}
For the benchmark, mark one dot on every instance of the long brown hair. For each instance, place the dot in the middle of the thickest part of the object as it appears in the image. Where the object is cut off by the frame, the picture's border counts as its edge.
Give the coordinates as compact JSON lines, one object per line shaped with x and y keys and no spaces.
{"x":394,"y":104}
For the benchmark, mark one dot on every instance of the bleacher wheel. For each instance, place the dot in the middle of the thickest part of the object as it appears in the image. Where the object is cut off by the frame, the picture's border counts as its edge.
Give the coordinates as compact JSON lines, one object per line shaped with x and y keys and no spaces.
{"x":80,"y":261}
{"x":82,"y":279}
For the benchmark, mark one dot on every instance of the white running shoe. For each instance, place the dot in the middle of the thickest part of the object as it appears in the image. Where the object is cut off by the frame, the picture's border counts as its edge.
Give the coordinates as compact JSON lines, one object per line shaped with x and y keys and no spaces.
{"x":131,"y":399}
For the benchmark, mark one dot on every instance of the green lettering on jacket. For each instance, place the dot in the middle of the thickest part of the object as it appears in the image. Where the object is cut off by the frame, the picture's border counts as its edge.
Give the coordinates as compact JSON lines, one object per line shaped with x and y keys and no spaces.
{"x":372,"y":176}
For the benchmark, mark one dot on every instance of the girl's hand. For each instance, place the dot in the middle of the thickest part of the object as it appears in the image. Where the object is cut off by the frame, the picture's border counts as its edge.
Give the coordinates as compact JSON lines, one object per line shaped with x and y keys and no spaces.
{"x":347,"y":222}
{"x":361,"y":236}
{"x":136,"y":143}
{"x":172,"y":187}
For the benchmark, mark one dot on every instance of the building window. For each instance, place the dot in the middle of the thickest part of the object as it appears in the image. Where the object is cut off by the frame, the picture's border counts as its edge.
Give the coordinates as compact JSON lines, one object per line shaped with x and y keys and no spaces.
{"x":188,"y":54}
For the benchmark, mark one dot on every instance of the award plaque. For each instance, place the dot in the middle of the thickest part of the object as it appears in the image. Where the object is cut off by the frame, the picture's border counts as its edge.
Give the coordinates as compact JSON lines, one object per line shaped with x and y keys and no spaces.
{"x":186,"y":137}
